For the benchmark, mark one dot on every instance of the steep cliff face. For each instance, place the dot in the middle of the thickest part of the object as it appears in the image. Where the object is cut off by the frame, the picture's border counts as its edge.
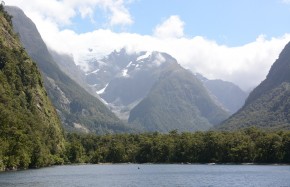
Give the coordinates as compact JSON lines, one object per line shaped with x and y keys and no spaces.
{"x":268,"y":105}
{"x":279,"y":73}
{"x":30,"y":130}
{"x":79,"y":110}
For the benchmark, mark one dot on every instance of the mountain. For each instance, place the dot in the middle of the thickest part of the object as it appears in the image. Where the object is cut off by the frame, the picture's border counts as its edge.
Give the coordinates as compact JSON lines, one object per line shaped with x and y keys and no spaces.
{"x":79,"y":110}
{"x":228,"y":94}
{"x":178,"y":100}
{"x":30,"y":130}
{"x":129,"y":81}
{"x":67,"y":65}
{"x":268,"y":105}
{"x":123,"y":79}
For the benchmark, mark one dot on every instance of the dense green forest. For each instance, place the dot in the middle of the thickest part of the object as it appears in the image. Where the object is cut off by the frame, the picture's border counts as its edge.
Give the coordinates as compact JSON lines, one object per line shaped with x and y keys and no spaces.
{"x":246,"y":146}
{"x":30,"y":130}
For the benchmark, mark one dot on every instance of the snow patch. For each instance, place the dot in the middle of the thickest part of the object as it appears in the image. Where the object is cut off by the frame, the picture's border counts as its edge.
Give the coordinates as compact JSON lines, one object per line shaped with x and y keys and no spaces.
{"x":93,"y":85}
{"x":144,"y":56}
{"x":102,"y":90}
{"x":159,"y":60}
{"x":102,"y":63}
{"x":129,"y":64}
{"x":125,"y":73}
{"x":103,"y":101}
{"x":95,"y":72}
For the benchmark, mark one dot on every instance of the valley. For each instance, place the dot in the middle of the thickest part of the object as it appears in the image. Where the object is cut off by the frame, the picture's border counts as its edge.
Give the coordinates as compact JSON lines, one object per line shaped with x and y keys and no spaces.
{"x":136,"y":106}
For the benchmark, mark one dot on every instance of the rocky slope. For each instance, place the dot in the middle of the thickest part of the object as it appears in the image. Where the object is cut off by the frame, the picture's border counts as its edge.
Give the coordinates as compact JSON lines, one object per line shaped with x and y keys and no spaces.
{"x":228,"y":94}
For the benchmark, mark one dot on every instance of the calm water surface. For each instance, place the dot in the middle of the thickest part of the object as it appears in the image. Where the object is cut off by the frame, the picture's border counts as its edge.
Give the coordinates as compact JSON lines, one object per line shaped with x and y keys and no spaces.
{"x":150,"y":175}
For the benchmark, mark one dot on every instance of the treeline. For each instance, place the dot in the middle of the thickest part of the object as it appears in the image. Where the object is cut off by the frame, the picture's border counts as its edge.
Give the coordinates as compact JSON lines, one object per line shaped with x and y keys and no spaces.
{"x":247,"y":146}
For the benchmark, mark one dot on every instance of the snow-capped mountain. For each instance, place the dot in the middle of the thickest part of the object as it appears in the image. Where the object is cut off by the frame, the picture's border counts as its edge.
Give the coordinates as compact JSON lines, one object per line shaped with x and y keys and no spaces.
{"x":152,"y":92}
{"x":123,"y":79}
{"x":129,"y":82}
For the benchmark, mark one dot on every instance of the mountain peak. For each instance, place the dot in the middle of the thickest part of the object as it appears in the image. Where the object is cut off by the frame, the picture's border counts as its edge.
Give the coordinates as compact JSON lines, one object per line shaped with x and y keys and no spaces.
{"x":200,"y":77}
{"x":268,"y":105}
{"x":281,"y":68}
{"x":121,"y":52}
{"x":279,"y":73}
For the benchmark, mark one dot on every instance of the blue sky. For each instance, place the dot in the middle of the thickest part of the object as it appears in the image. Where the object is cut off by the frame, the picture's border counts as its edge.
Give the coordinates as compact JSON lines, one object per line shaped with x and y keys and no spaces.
{"x":233,"y":40}
{"x":228,"y":22}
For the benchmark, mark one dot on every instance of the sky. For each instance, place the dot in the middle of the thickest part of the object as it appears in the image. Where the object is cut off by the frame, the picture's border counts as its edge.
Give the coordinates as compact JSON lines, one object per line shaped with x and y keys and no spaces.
{"x":233,"y":40}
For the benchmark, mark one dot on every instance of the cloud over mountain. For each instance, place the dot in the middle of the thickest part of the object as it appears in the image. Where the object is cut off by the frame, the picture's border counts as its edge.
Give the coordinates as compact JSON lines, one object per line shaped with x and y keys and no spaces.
{"x":245,"y":65}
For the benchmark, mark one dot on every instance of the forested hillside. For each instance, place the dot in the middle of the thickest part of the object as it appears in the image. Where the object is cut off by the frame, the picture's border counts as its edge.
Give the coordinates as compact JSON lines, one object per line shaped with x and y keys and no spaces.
{"x":79,"y":110}
{"x":178,"y":100}
{"x":30,"y":130}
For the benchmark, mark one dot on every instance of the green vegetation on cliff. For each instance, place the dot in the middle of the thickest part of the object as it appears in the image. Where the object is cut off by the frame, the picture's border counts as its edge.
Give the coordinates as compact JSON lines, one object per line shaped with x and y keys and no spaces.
{"x":30,"y":131}
{"x":78,"y":110}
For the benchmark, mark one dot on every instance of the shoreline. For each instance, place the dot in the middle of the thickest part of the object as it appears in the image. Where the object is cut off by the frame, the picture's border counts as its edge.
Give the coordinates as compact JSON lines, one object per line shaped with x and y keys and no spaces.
{"x":132,"y":163}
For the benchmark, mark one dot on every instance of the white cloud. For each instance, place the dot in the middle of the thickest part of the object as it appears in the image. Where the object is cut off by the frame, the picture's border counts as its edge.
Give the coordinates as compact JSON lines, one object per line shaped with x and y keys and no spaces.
{"x":245,"y":65}
{"x":86,"y":12}
{"x":170,"y":28}
{"x":159,"y":60}
{"x":62,"y":11}
{"x":119,"y":14}
{"x":57,"y":11}
{"x":286,"y":1}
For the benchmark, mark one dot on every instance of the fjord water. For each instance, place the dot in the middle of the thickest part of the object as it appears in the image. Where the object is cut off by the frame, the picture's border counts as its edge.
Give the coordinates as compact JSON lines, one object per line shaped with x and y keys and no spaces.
{"x":150,"y":175}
